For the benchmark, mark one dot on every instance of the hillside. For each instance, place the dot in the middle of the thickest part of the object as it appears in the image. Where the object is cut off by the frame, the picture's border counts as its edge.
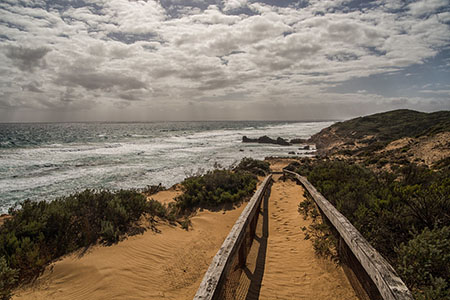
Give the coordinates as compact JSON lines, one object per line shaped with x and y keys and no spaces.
{"x":389,"y":174}
{"x":398,"y":136}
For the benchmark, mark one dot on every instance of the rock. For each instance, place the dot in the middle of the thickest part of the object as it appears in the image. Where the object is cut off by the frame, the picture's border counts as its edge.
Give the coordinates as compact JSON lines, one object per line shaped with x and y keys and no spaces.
{"x":306,"y":147}
{"x":242,"y":150}
{"x":245,"y":139}
{"x":282,"y":142}
{"x":291,"y":152}
{"x":266,"y":140}
{"x":298,"y":141}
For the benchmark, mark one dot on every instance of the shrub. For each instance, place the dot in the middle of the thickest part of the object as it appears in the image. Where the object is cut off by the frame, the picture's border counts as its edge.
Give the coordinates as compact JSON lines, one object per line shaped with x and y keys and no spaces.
{"x":423,"y":262}
{"x":8,"y":279}
{"x":39,"y":232}
{"x":215,"y":188}
{"x":254,"y":166}
{"x":324,"y":243}
{"x":307,"y":207}
{"x":185,"y":223}
{"x":386,"y":208}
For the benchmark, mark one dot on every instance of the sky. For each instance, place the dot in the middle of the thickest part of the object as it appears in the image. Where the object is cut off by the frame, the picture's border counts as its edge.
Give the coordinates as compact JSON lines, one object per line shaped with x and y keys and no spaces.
{"x":136,"y":60}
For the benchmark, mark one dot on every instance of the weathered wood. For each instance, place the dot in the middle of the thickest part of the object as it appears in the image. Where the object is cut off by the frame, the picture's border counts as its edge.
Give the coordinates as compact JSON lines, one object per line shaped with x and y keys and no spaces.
{"x":221,"y":263}
{"x":389,"y":285}
{"x":242,"y":255}
{"x":277,"y":172}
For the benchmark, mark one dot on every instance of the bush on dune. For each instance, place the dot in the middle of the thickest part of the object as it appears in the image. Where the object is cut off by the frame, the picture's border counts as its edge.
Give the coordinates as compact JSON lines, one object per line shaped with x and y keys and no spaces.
{"x":39,"y":232}
{"x":215,"y":188}
{"x":8,"y":279}
{"x":423,"y":263}
{"x":254,"y":166}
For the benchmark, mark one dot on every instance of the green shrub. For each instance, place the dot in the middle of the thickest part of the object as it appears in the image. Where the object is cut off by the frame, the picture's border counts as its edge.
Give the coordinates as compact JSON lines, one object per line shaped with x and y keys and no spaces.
{"x":307,"y":207}
{"x":254,"y":166}
{"x":8,"y":279}
{"x":108,"y":233}
{"x":215,"y":188}
{"x":185,"y":223}
{"x":156,"y":208}
{"x":386,"y":207}
{"x":39,"y":232}
{"x":423,"y":262}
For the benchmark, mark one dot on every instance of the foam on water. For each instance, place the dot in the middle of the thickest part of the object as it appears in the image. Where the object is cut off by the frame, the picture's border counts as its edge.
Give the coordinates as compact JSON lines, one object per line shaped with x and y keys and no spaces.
{"x":44,"y":161}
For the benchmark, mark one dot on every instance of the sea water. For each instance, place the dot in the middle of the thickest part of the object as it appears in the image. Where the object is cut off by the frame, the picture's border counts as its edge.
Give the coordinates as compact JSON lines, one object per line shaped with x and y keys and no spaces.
{"x":44,"y":161}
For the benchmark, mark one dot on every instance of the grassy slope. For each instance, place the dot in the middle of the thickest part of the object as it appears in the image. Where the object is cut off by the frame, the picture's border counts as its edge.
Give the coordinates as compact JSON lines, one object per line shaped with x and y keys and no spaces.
{"x":390,"y":125}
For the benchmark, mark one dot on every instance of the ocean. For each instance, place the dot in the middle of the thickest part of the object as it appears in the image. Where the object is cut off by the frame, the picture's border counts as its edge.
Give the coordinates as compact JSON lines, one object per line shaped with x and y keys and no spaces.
{"x":43,"y":161}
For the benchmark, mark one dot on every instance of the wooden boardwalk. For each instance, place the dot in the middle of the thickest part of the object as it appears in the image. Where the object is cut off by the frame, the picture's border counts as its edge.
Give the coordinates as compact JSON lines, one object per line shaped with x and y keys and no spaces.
{"x":266,"y":256}
{"x":281,"y":263}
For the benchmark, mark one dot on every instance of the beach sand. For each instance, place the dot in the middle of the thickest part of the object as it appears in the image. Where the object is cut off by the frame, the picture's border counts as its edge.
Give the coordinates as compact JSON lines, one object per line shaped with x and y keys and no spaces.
{"x":292,"y":270}
{"x":168,"y":195}
{"x":165,"y":265}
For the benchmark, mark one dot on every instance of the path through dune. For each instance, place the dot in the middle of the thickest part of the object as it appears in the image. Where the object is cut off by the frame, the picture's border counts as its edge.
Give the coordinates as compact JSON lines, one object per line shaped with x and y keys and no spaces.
{"x":292,"y":269}
{"x":166,"y":265}
{"x":281,"y":264}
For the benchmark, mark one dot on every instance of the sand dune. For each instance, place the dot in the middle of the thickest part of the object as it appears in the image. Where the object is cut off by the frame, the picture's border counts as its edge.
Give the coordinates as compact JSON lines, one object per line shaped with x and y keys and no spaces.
{"x":168,"y":195}
{"x":162,"y":265}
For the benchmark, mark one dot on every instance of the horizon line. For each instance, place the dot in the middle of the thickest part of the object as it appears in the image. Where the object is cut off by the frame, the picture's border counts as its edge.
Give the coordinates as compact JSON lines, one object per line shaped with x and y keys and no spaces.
{"x":170,"y":121}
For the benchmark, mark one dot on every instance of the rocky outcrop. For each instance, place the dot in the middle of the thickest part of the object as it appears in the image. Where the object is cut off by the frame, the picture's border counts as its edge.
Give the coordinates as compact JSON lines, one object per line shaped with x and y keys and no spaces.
{"x":298,"y":141}
{"x":282,"y":142}
{"x":266,"y":140}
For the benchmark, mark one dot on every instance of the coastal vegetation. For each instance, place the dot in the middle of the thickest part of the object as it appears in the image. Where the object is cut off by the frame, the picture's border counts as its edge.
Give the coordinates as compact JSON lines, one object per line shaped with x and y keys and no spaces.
{"x":218,"y":187}
{"x":254,"y":166}
{"x":37,"y":233}
{"x":398,"y":201}
{"x":404,"y":215}
{"x":388,"y":126}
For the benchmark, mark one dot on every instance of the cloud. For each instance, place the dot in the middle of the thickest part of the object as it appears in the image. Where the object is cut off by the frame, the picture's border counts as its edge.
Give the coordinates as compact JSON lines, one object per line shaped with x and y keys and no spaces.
{"x":233,"y":4}
{"x":99,"y":81}
{"x":165,"y":54}
{"x":425,"y":7}
{"x":27,"y":59}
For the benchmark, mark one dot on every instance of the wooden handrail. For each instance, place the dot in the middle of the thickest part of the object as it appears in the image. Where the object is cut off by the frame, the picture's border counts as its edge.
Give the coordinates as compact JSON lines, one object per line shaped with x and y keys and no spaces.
{"x":221,"y":263}
{"x":383,"y":275}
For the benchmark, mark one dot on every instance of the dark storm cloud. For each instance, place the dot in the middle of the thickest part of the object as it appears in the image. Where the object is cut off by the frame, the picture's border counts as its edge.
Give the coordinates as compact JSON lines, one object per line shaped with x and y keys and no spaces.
{"x":27,"y":59}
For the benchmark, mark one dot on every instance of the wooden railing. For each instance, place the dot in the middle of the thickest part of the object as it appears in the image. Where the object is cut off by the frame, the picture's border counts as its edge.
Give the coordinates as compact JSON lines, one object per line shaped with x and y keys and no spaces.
{"x":371,"y":275}
{"x":232,"y":254}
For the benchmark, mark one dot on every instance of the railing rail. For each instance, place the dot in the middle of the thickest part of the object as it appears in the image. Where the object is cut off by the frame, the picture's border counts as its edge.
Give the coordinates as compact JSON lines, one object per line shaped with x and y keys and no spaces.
{"x":236,"y":244}
{"x":383,"y":276}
